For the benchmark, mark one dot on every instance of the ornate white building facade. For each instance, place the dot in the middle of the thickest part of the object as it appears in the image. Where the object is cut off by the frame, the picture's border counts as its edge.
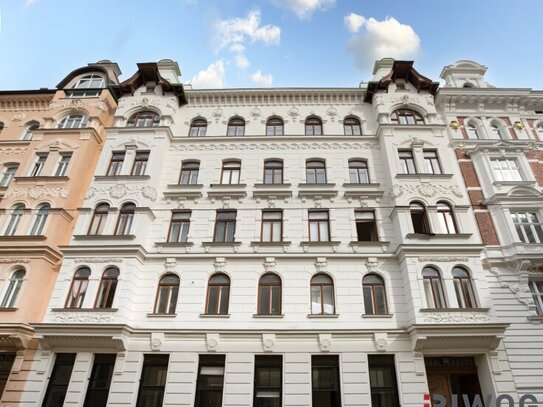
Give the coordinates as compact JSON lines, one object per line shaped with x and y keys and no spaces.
{"x":291,"y":247}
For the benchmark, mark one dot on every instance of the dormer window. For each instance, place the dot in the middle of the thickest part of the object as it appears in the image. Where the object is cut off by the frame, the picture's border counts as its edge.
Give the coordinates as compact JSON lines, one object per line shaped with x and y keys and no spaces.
{"x":144,"y":119}
{"x":87,"y":86}
{"x":406,"y":116}
{"x":74,"y":121}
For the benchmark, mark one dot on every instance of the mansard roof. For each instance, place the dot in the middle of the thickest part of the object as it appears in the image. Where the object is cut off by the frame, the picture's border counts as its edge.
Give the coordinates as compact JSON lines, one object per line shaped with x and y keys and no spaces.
{"x":401,"y":70}
{"x":149,"y":72}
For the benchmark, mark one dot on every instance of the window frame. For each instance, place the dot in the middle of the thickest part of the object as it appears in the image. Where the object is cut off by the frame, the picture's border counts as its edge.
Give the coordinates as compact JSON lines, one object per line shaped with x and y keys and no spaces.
{"x":433,"y":282}
{"x":359,"y":168}
{"x":235,"y":127}
{"x":8,"y":174}
{"x":63,"y":164}
{"x":504,"y":167}
{"x":40,"y":219}
{"x":102,"y":218}
{"x":272,"y":363}
{"x":272,"y":222}
{"x":125,"y":220}
{"x":408,"y":165}
{"x":171,"y":292}
{"x":138,"y":119}
{"x":231,"y":168}
{"x":278,"y":285}
{"x":11,"y":294}
{"x":463,"y":287}
{"x":76,"y":302}
{"x":115,"y":164}
{"x":373,"y":227}
{"x":406,"y":115}
{"x":313,"y":126}
{"x":352,"y":123}
{"x":432,"y":163}
{"x":373,"y":294}
{"x":537,"y":294}
{"x":419,"y":209}
{"x":94,"y":390}
{"x":318,"y":222}
{"x":151,"y":361}
{"x":227,"y":224}
{"x":61,"y":359}
{"x":274,"y":123}
{"x":314,"y":167}
{"x":29,"y":128}
{"x":107,"y":289}
{"x":39,"y":164}
{"x":535,"y":228}
{"x":330,"y":363}
{"x":224,"y":289}
{"x":181,"y":225}
{"x":73,"y":121}
{"x":380,"y":361}
{"x":15,"y":216}
{"x":209,"y":362}
{"x":275,"y":171}
{"x":198,"y":128}
{"x":189,"y":167}
{"x":141,"y":160}
{"x":447,"y":218}
{"x":321,"y":287}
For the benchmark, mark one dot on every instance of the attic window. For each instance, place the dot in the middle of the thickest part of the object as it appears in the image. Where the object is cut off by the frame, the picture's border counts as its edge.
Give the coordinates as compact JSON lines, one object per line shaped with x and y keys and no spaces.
{"x":468,"y":85}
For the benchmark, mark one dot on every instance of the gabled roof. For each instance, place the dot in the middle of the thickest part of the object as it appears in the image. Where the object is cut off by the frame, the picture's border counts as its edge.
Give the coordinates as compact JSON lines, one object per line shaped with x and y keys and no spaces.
{"x":401,"y":70}
{"x":149,"y":72}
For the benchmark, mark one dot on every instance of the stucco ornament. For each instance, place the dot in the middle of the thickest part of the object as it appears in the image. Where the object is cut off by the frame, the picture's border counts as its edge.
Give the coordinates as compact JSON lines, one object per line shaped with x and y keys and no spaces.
{"x":256,"y":113}
{"x":455,"y":317}
{"x":220,"y":265}
{"x":13,"y":150}
{"x":99,"y":260}
{"x":332,"y":112}
{"x":427,"y":190}
{"x":372,"y":265}
{"x":36,"y":192}
{"x":276,"y":146}
{"x":381,"y":341}
{"x":149,"y":193}
{"x":212,"y":341}
{"x":268,"y":342}
{"x":17,"y":117}
{"x":270,"y":264}
{"x":14,"y":260}
{"x":321,"y":264}
{"x":325,"y":342}
{"x":293,"y":112}
{"x":90,"y":192}
{"x":118,"y":191}
{"x":82,"y":317}
{"x":217,"y":114}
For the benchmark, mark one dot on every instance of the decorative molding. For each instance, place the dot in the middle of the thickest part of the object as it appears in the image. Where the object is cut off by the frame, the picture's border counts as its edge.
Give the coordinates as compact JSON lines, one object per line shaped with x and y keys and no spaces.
{"x":321,"y":264}
{"x":372,"y":264}
{"x":325,"y":342}
{"x":81,"y":317}
{"x":381,"y":341}
{"x":98,"y":260}
{"x":270,"y":264}
{"x":38,"y":192}
{"x":455,"y":317}
{"x":14,"y":260}
{"x":275,"y":146}
{"x":120,"y":190}
{"x":13,"y":150}
{"x":268,"y":342}
{"x":220,"y":265}
{"x":170,"y":264}
{"x":434,"y":259}
{"x":419,"y":363}
{"x":212,"y":341}
{"x":427,"y":190}
{"x":157,"y":338}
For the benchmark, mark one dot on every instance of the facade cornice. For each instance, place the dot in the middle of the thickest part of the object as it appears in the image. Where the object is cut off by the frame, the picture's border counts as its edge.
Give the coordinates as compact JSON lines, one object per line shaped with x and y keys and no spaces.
{"x":26,"y":252}
{"x":17,"y":101}
{"x":475,"y":146}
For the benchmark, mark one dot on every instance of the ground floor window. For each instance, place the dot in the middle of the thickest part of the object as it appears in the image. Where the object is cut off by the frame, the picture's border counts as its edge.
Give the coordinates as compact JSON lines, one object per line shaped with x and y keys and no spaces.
{"x":210,"y":382}
{"x":326,"y":391}
{"x":384,"y":388}
{"x":153,"y":380}
{"x":100,"y":380}
{"x":6,"y":362}
{"x":59,"y":380}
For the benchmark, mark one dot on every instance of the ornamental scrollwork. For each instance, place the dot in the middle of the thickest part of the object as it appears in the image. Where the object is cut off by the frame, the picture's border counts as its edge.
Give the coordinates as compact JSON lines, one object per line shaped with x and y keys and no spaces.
{"x":276,"y":146}
{"x":120,"y":190}
{"x":36,"y":192}
{"x":455,"y":317}
{"x":82,"y":317}
{"x":426,"y":190}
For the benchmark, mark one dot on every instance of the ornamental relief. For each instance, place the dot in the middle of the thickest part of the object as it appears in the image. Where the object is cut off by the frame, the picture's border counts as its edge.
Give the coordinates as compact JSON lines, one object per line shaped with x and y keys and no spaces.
{"x":455,"y":317}
{"x":276,"y":146}
{"x":98,"y":260}
{"x":38,"y":191}
{"x":14,"y":260}
{"x":81,"y":317}
{"x":13,"y":150}
{"x":431,"y":259}
{"x":120,"y":191}
{"x":426,"y":190}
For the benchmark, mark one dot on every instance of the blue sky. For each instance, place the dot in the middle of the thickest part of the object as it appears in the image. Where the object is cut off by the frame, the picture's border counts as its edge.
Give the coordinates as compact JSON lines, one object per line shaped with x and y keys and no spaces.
{"x":240,"y":43}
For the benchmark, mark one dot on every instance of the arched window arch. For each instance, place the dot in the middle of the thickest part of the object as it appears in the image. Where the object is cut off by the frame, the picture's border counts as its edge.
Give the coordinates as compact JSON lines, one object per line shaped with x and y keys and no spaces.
{"x":14,"y":287}
{"x":126,"y":218}
{"x":352,"y":126}
{"x":447,"y":223}
{"x":236,"y":127}
{"x":419,"y":217}
{"x":87,"y":86}
{"x":218,"y":293}
{"x":269,"y":295}
{"x":358,"y":171}
{"x":73,"y":121}
{"x":167,"y":293}
{"x":498,"y":130}
{"x":40,"y":219}
{"x":433,"y":288}
{"x":315,"y":171}
{"x":107,"y":288}
{"x":322,"y":295}
{"x":463,"y":288}
{"x":273,"y":171}
{"x":9,"y":172}
{"x":406,"y":116}
{"x":373,"y":288}
{"x":231,"y":171}
{"x":98,"y":220}
{"x":78,"y":289}
{"x":144,"y":118}
{"x":313,"y":126}
{"x":29,"y":128}
{"x":275,"y":126}
{"x":189,"y":172}
{"x":198,"y":128}
{"x":472,"y":130}
{"x":14,"y":219}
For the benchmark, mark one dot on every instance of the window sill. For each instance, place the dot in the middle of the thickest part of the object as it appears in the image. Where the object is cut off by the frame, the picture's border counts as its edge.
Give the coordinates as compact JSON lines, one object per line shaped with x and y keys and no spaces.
{"x":153,"y":315}
{"x":481,"y":310}
{"x":11,"y":309}
{"x":42,"y":178}
{"x":104,"y":237}
{"x":306,"y":185}
{"x":19,"y":238}
{"x":372,"y":316}
{"x":359,"y":243}
{"x":228,"y":186}
{"x":221,"y":244}
{"x":536,"y":319}
{"x":280,"y":191}
{"x":236,"y":191}
{"x":514,"y":183}
{"x":362,"y":190}
{"x":174,"y":244}
{"x":260,"y":316}
{"x":222,"y":316}
{"x":321,"y":244}
{"x":184,"y":186}
{"x":271,"y":244}
{"x":284,"y":185}
{"x":424,"y":176}
{"x":105,"y":310}
{"x":324,"y":316}
{"x":438,"y":235}
{"x":122,"y":177}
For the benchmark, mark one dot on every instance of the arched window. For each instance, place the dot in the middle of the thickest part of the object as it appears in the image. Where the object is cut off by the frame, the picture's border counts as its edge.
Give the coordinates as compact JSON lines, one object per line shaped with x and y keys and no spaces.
{"x":14,"y":219}
{"x":352,"y":127}
{"x":313,"y":126}
{"x":230,"y":173}
{"x":98,"y":219}
{"x":189,"y":172}
{"x":445,"y":214}
{"x":168,"y":291}
{"x":472,"y":130}
{"x":273,"y":172}
{"x":78,"y":288}
{"x":218,"y":293}
{"x":144,"y":118}
{"x":126,"y":217}
{"x":373,"y":288}
{"x":406,"y":116}
{"x":8,"y":174}
{"x":463,"y":288}
{"x":269,"y":295}
{"x":107,"y":288}
{"x":274,"y":126}
{"x":87,"y":86}
{"x":498,"y":130}
{"x":30,"y":127}
{"x":419,"y":218}
{"x":39,"y":221}
{"x":538,"y":129}
{"x":322,"y":295}
{"x":198,"y":128}
{"x":236,"y":127}
{"x":358,"y":172}
{"x":433,"y":288}
{"x":315,"y":171}
{"x":14,"y":287}
{"x":73,"y":121}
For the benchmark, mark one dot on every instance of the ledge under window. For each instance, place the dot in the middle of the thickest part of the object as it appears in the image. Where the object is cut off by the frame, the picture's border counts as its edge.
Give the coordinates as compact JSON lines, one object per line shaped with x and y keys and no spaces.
{"x":223,"y":316}
{"x":356,"y":190}
{"x":271,"y":244}
{"x":20,"y":238}
{"x":280,"y":191}
{"x":153,"y":315}
{"x":454,"y":310}
{"x":536,"y":319}
{"x":236,"y":191}
{"x":174,"y":244}
{"x":515,"y":183}
{"x":321,"y":244}
{"x":84,"y":309}
{"x":122,"y":177}
{"x":438,"y":235}
{"x":42,"y":178}
{"x":276,"y":316}
{"x":221,"y":244}
{"x":104,"y":237}
{"x":359,"y":243}
{"x":324,"y":316}
{"x":10,"y":309}
{"x":371,"y":316}
{"x":424,"y":176}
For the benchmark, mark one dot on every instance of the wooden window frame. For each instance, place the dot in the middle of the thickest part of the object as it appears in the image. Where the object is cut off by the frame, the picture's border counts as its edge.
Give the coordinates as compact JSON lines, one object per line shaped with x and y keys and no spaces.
{"x":153,"y":360}
{"x":226,"y":222}
{"x":399,"y":115}
{"x":198,"y":126}
{"x":318,"y":222}
{"x":432,"y":163}
{"x":235,"y":124}
{"x":230,"y":171}
{"x":189,"y":167}
{"x":444,"y":209}
{"x":272,"y":222}
{"x":270,"y":363}
{"x":268,"y":166}
{"x":139,"y":166}
{"x":439,"y":281}
{"x":352,"y":123}
{"x":180,"y":222}
{"x":359,"y":166}
{"x":109,"y":285}
{"x":269,"y":288}
{"x":417,"y":207}
{"x":328,"y":362}
{"x":221,"y":286}
{"x":273,"y":124}
{"x":469,"y":299}
{"x":170,"y":293}
{"x":312,"y":123}
{"x":372,"y":287}
{"x":80,"y":297}
{"x":373,"y":222}
{"x":134,"y":119}
{"x":310,"y":165}
{"x":406,"y":160}
{"x":101,"y":216}
{"x":115,"y":163}
{"x":321,"y":291}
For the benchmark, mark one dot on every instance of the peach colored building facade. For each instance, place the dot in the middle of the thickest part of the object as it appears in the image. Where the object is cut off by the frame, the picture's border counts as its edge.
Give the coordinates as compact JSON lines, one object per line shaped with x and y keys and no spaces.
{"x":50,"y":141}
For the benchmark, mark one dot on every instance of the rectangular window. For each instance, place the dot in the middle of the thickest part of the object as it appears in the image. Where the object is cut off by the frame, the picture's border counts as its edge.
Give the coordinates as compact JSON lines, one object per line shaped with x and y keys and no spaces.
{"x":272,"y":226}
{"x":7,"y":176}
{"x":189,"y":173}
{"x":179,"y":227}
{"x":319,"y":226}
{"x":431,"y":161}
{"x":59,"y":380}
{"x":100,"y":380}
{"x":528,"y":226}
{"x":536,"y":287}
{"x":325,"y":381}
{"x":210,"y":382}
{"x":140,"y":163}
{"x":505,"y":169}
{"x":407,"y":162}
{"x":268,"y":381}
{"x":38,"y":165}
{"x":62,"y":165}
{"x":366,"y":226}
{"x":153,"y":380}
{"x":225,"y":226}
{"x":116,"y":163}
{"x":230,"y":173}
{"x":384,"y":389}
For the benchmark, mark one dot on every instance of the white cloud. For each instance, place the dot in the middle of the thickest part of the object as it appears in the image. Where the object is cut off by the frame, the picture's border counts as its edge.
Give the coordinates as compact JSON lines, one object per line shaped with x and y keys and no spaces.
{"x":304,"y":9}
{"x":354,"y":22}
{"x":241,"y":61}
{"x":28,"y":3}
{"x":210,"y":78}
{"x":238,"y":48}
{"x":236,"y":31}
{"x":387,"y":38}
{"x":262,"y":80}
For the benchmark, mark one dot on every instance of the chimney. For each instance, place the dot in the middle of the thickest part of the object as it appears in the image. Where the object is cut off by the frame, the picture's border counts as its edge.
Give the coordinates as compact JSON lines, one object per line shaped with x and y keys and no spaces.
{"x":382,"y":68}
{"x":169,"y":70}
